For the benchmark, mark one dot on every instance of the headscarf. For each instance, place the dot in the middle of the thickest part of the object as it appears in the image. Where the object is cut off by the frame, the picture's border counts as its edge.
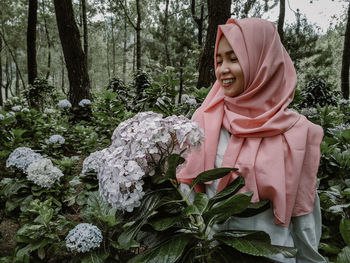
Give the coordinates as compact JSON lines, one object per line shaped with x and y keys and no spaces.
{"x":276,"y":150}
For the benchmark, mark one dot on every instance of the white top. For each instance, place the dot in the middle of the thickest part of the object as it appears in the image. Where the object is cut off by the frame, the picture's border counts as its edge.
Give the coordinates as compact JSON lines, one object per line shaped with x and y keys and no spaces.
{"x":304,"y":232}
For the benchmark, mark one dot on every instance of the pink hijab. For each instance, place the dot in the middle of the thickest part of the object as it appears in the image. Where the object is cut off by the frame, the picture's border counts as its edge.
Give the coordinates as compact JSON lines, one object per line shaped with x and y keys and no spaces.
{"x":276,"y":150}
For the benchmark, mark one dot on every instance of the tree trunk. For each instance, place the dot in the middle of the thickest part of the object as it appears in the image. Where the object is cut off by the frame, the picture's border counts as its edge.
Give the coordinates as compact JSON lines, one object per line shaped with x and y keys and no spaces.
{"x":125,"y":43}
{"x":31,"y":41}
{"x":346,"y":60}
{"x":113,"y":48}
{"x":166,"y":37}
{"x":218,"y":14}
{"x":79,"y":84}
{"x":85,"y":33}
{"x":138,"y":36}
{"x":199,"y":21}
{"x":281,"y":19}
{"x":48,"y":50}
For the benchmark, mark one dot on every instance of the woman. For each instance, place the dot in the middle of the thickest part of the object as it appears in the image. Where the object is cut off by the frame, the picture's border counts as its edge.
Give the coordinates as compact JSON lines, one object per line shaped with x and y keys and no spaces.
{"x":248,"y":126}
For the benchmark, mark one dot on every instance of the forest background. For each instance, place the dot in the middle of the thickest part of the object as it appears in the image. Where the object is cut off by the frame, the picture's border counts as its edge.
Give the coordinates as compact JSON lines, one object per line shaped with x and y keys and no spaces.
{"x":121,"y":57}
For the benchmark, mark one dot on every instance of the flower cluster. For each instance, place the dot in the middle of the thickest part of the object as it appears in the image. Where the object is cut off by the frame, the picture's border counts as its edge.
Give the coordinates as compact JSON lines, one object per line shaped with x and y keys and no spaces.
{"x":309,"y":112}
{"x":84,"y":102}
{"x":25,"y":109}
{"x":22,"y":157}
{"x":16,"y":108}
{"x":49,"y":111}
{"x":138,"y":145}
{"x":189,"y":100}
{"x":56,"y":139}
{"x":92,"y":163}
{"x":43,"y":173}
{"x":2,"y":117}
{"x":83,"y":238}
{"x":64,"y":104}
{"x":10,"y":114}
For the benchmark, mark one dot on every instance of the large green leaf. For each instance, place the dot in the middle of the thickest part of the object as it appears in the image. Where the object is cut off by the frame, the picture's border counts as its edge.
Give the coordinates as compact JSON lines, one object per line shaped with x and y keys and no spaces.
{"x":211,"y":175}
{"x":168,"y":252}
{"x":173,"y":161}
{"x":255,"y":208}
{"x":164,"y":223}
{"x":231,"y":189}
{"x":344,"y":228}
{"x":344,"y":255}
{"x":95,"y":257}
{"x":126,"y":239}
{"x":255,"y":243}
{"x":201,"y":202}
{"x":226,"y":208}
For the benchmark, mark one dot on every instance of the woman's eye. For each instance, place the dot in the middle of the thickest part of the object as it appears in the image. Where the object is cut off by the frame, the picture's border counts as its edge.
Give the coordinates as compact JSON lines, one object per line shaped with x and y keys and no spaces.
{"x":234,"y":59}
{"x":219,"y":62}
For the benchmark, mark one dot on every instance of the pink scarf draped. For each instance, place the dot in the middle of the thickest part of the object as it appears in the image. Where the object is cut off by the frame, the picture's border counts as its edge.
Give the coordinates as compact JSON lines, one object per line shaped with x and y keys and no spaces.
{"x":276,"y":150}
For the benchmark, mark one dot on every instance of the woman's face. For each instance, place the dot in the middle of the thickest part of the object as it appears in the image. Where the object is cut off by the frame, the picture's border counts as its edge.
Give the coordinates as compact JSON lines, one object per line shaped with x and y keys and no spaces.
{"x":229,"y":72}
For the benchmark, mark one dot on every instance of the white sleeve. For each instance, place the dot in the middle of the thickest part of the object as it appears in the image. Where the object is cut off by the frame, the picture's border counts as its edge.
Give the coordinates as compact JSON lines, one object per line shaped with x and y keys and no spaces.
{"x":306,"y":233}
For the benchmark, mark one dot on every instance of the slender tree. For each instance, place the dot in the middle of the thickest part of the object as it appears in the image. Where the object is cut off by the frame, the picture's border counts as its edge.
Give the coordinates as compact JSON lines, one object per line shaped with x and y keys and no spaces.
{"x":31,"y":41}
{"x":166,"y":34}
{"x":281,"y":19}
{"x":346,"y":60}
{"x":199,"y":21}
{"x":79,"y":84}
{"x":85,"y":31}
{"x":218,"y":14}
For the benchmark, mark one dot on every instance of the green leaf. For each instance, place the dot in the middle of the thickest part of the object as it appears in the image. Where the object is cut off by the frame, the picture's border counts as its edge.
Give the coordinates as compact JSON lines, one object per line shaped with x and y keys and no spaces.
{"x":344,"y":255}
{"x":255,"y":243}
{"x":255,"y":208}
{"x":344,"y":228}
{"x":190,"y":210}
{"x":231,"y":189}
{"x":31,"y":247}
{"x":146,"y":210}
{"x":173,"y":161}
{"x":211,"y":175}
{"x":201,"y":202}
{"x":95,"y":257}
{"x":226,"y":208}
{"x":168,"y":252}
{"x":164,"y":223}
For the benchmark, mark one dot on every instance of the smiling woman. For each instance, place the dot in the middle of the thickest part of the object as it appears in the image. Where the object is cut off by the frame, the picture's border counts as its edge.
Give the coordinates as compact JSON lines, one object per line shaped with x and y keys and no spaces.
{"x":248,"y":125}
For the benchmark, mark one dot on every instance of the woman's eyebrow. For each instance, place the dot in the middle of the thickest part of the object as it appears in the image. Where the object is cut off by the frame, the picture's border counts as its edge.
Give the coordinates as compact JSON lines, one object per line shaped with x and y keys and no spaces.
{"x":226,"y":53}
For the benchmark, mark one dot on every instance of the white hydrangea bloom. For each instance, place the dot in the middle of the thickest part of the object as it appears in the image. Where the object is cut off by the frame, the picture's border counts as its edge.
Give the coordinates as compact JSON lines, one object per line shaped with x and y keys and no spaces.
{"x":49,"y":111}
{"x":93,"y":162}
{"x":64,"y":104}
{"x":84,"y":102}
{"x":10,"y":114}
{"x":25,"y":109}
{"x":189,"y":100}
{"x":56,"y":139}
{"x":16,"y":108}
{"x":137,"y":145}
{"x":340,"y":128}
{"x":43,"y":173}
{"x":2,"y":117}
{"x":309,"y":111}
{"x":22,"y":157}
{"x":83,"y":238}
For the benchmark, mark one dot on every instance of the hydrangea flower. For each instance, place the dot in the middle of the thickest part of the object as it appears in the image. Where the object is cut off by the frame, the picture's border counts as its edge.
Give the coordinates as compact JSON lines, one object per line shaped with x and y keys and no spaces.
{"x":189,"y":100}
{"x":16,"y":108}
{"x":93,"y":162}
{"x":2,"y":117}
{"x":10,"y":114}
{"x":309,"y":111}
{"x":22,"y":157}
{"x":49,"y":111}
{"x":25,"y":109}
{"x":56,"y":139}
{"x":64,"y":104}
{"x":84,"y":102}
{"x":83,"y":238}
{"x":43,"y":173}
{"x":137,"y":145}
